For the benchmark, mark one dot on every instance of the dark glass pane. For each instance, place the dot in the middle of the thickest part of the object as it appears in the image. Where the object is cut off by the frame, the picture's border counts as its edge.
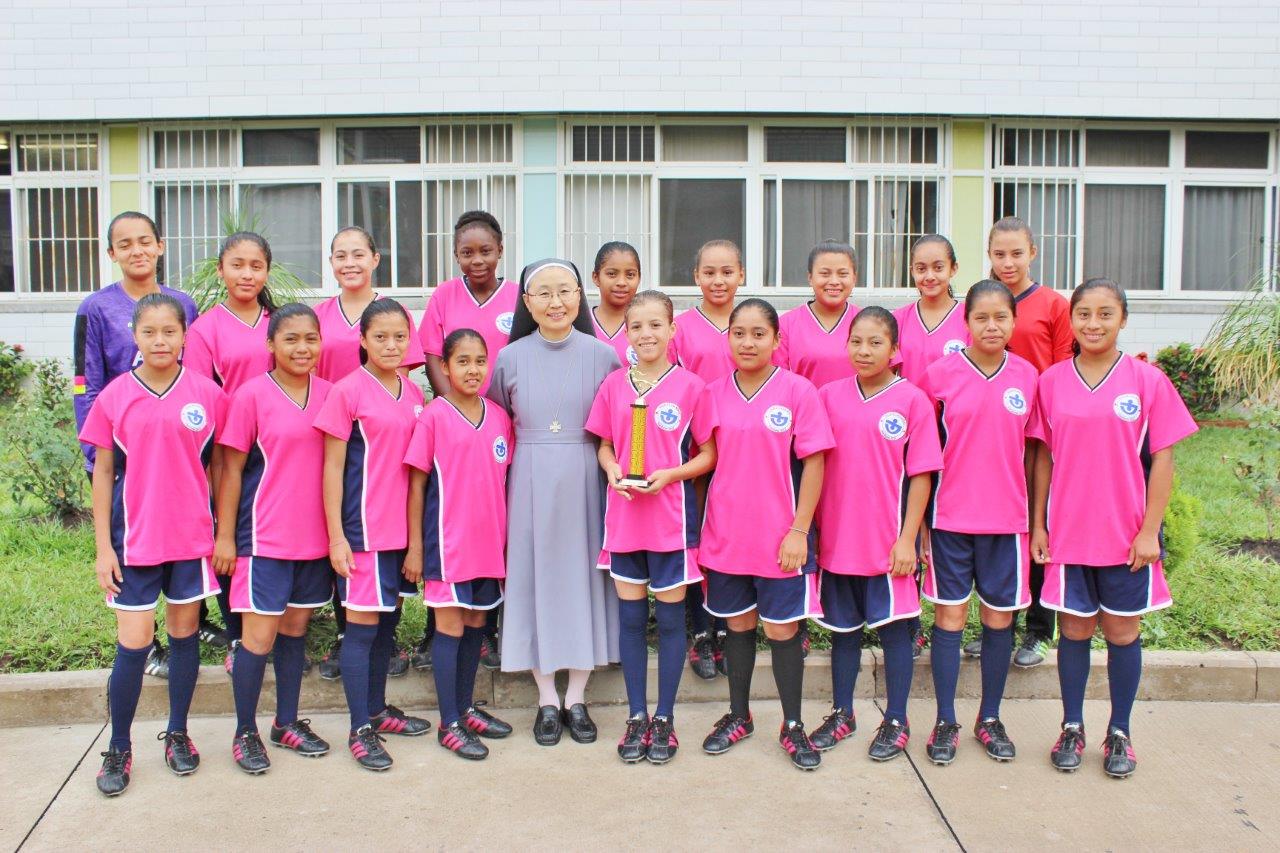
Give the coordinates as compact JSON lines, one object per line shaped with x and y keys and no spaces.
{"x":804,"y":144}
{"x":691,"y":212}
{"x":282,"y":147}
{"x":367,"y":145}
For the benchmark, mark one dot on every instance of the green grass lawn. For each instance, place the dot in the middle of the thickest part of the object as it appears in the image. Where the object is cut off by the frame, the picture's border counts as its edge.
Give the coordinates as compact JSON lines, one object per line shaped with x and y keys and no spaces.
{"x":52,"y":616}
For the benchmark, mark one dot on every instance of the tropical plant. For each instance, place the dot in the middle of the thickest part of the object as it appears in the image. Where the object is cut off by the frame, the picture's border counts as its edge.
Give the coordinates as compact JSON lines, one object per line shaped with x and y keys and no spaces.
{"x":1194,"y":377}
{"x":203,"y":284}
{"x":1243,"y":346}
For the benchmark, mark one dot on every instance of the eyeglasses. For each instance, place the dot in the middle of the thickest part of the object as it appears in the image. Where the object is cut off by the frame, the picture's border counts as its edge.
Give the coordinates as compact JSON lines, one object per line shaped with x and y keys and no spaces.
{"x":567,"y":295}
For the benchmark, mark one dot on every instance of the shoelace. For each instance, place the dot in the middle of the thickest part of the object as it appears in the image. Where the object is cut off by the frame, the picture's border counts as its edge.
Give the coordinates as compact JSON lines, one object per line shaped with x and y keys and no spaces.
{"x":834,"y":719}
{"x":727,"y":723}
{"x":996,"y":729}
{"x":796,"y":736}
{"x":114,"y":762}
{"x":1117,"y":741}
{"x":370,"y":739}
{"x":1069,"y":739}
{"x":302,"y":728}
{"x":945,"y":732}
{"x":635,"y":728}
{"x":889,"y":731}
{"x":252,"y":746}
{"x":662,"y":731}
{"x":392,"y":711}
{"x":180,"y":739}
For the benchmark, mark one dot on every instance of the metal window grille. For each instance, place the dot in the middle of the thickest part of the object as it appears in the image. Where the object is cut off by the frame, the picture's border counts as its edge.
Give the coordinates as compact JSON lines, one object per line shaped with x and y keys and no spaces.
{"x":607,"y":143}
{"x":1049,"y":206}
{"x":55,"y":175}
{"x":897,"y":145}
{"x":444,"y":199}
{"x":470,"y":144}
{"x":890,"y":214}
{"x":1036,"y":147}
{"x":190,"y":215}
{"x":599,"y":208}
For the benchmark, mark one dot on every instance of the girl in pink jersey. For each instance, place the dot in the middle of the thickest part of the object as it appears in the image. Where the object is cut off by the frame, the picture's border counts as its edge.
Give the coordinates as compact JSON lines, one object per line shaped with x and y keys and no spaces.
{"x":757,"y":539}
{"x":933,"y":325}
{"x":353,"y":256}
{"x":272,"y":543}
{"x":650,"y":532}
{"x":226,"y":345}
{"x":815,"y":335}
{"x":482,"y":301}
{"x":1110,"y":423}
{"x":154,"y":430}
{"x":872,"y":506}
{"x":617,"y":276}
{"x":459,"y":455}
{"x":701,"y":344}
{"x":368,"y":419}
{"x":985,"y":398}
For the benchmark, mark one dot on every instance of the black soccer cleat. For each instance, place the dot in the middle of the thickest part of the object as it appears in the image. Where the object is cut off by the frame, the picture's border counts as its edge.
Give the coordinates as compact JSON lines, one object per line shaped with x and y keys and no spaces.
{"x":366,"y":747}
{"x":299,"y":737}
{"x":836,"y":727}
{"x":393,"y":721}
{"x":490,"y":654}
{"x":993,"y":736}
{"x":727,"y":731}
{"x":796,"y":744}
{"x":663,"y":742}
{"x":943,"y":743}
{"x":331,"y":664}
{"x":483,"y":723}
{"x":250,"y":754}
{"x":702,"y":656}
{"x":113,"y":778}
{"x":180,"y":753}
{"x":1118,"y":758}
{"x":634,"y":744}
{"x":399,"y":663}
{"x":461,"y":741}
{"x":1068,"y":751}
{"x":890,"y":740}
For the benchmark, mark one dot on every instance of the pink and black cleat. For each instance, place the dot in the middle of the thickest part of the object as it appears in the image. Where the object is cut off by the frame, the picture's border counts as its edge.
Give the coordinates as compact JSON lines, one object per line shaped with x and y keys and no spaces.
{"x":113,"y":778}
{"x":1118,"y":758}
{"x":393,"y":721}
{"x":250,"y":754}
{"x":836,"y":727}
{"x":662,"y":739}
{"x":299,"y":737}
{"x":180,"y":753}
{"x":991,"y":734}
{"x":796,"y":744}
{"x":890,"y":740}
{"x":480,"y":721}
{"x":461,"y":741}
{"x":943,"y":742}
{"x":728,"y":730}
{"x":366,"y":747}
{"x":1068,"y":752}
{"x":634,"y":744}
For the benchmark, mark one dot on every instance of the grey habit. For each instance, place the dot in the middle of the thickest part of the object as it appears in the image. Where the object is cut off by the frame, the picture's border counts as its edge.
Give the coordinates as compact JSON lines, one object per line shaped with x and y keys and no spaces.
{"x":561,"y":611}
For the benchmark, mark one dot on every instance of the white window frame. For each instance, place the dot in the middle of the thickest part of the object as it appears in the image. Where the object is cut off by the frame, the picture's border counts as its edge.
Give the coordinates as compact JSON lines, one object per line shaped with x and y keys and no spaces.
{"x":1175,"y":178}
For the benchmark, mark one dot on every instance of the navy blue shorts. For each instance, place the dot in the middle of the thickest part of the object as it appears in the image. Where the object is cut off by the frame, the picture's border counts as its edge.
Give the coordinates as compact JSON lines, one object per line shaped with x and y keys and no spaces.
{"x":661,"y":570}
{"x":850,"y":602}
{"x":267,"y":585}
{"x":1084,"y":590}
{"x":476,"y":594}
{"x":781,"y":600}
{"x":180,"y":581}
{"x":376,"y":583}
{"x":999,"y":564}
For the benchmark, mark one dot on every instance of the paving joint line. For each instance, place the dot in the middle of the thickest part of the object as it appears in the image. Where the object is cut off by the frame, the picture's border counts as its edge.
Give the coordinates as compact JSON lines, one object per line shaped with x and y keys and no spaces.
{"x":58,"y":792}
{"x":937,"y":805}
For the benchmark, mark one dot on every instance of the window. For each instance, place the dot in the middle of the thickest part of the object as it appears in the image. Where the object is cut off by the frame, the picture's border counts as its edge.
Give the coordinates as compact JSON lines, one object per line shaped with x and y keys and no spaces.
{"x":62,"y":238}
{"x":890,"y":144}
{"x":6,"y":156}
{"x":1227,"y":150}
{"x":286,"y":147}
{"x":692,"y":211}
{"x":599,"y":208}
{"x":1022,"y":147}
{"x":194,"y":148}
{"x":7,"y":278}
{"x":803,"y":214}
{"x":1141,"y":148}
{"x":1049,"y":207}
{"x":726,"y":143}
{"x":470,"y":143}
{"x":190,"y":215}
{"x":890,"y":215}
{"x":1222,"y":237}
{"x":53,"y":233}
{"x":1124,"y":233}
{"x":805,"y":144}
{"x":290,"y":214}
{"x":376,"y":145}
{"x":612,"y":143}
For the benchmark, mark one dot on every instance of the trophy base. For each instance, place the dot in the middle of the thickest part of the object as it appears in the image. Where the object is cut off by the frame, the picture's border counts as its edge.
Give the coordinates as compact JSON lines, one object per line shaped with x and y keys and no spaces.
{"x":634,"y":482}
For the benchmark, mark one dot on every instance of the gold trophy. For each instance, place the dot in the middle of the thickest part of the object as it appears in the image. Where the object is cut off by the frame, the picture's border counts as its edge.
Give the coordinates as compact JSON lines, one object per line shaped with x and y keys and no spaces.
{"x":635,"y":476}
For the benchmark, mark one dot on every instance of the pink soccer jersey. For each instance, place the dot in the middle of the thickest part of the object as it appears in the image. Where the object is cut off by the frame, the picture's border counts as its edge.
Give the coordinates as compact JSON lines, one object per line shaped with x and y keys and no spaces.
{"x":919,"y":347}
{"x":377,"y":426}
{"x":464,"y":516}
{"x":618,"y":340}
{"x":751,"y":500}
{"x":281,"y":513}
{"x":163,"y":442}
{"x":984,"y":424}
{"x":701,"y":347}
{"x":340,"y":336}
{"x":1102,"y":439}
{"x":679,"y":417}
{"x":226,"y":349}
{"x":453,"y":307}
{"x":880,"y":442}
{"x":808,"y":349}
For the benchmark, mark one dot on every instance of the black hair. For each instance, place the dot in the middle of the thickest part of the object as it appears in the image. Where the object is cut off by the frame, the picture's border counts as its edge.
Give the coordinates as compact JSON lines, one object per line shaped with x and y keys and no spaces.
{"x":132,"y":214}
{"x":717,"y":244}
{"x":288,"y":311}
{"x":833,"y":247}
{"x":158,"y":300}
{"x":368,"y":238}
{"x":770,"y":313}
{"x":480,"y":218}
{"x":880,"y":315}
{"x":930,"y":239}
{"x":615,"y":246}
{"x":456,"y":337}
{"x":264,"y":296}
{"x":646,"y":296}
{"x":375,"y":309}
{"x":522,"y":324}
{"x":988,"y":287}
{"x":1101,"y":283}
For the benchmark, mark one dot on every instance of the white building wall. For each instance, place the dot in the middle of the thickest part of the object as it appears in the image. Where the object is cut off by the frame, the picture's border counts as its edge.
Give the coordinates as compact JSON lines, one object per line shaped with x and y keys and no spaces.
{"x":221,"y":58}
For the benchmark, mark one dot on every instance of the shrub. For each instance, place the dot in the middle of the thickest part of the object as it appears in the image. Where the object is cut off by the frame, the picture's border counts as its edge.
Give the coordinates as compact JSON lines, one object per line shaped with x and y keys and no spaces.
{"x":14,"y":370}
{"x":40,"y":459}
{"x":1193,"y":375}
{"x":1244,"y":344}
{"x":1257,"y":465}
{"x":1181,"y":527}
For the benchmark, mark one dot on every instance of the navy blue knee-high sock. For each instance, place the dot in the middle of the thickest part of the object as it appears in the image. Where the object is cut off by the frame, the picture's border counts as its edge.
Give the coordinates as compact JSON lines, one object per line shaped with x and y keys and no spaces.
{"x":944,"y":660}
{"x":357,"y":646}
{"x":672,"y":645}
{"x":997,"y":649}
{"x":633,"y":619}
{"x":895,"y":640}
{"x":380,"y":661}
{"x":123,"y":689}
{"x":846,"y":660}
{"x":469,"y":664}
{"x":1124,"y":671}
{"x":289,"y":656}
{"x":699,"y":618}
{"x":1073,"y":677}
{"x":184,"y":667}
{"x":246,"y":687}
{"x":444,"y":669}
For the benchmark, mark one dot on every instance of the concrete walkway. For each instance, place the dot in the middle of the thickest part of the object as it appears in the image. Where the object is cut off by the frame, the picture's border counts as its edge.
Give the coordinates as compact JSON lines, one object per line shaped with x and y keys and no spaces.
{"x":1209,"y":778}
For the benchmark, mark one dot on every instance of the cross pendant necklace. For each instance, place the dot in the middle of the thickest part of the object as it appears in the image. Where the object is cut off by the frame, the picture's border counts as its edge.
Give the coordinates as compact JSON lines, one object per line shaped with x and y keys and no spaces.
{"x":555,"y":426}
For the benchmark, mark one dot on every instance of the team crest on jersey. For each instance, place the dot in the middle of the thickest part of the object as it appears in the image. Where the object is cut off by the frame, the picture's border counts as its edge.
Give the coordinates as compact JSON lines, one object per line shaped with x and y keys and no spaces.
{"x":667,"y":416}
{"x":632,"y":358}
{"x":952,"y":347}
{"x":504,"y":322}
{"x":893,"y":425}
{"x":778,"y":418}
{"x":417,"y":410}
{"x":194,"y":417}
{"x":1127,"y":407}
{"x":500,"y":449}
{"x":1015,"y":401}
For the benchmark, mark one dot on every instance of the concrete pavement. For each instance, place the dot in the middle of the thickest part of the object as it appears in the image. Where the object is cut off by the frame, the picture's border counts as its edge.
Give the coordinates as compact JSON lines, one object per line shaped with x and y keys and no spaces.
{"x":1209,"y":778}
